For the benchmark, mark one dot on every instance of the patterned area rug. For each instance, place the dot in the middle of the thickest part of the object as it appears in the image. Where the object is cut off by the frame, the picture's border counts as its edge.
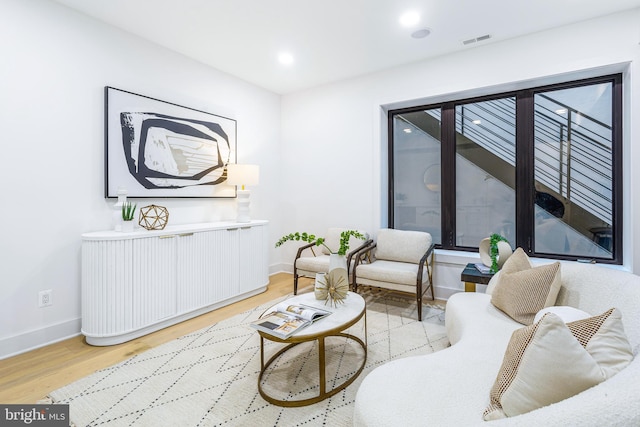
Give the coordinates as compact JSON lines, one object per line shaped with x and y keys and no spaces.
{"x":209,"y":377}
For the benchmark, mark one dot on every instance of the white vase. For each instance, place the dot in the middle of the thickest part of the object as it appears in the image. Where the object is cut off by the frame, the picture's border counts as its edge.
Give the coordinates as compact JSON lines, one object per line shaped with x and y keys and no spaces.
{"x":338,"y":263}
{"x":504,"y":252}
{"x":117,"y":209}
{"x":127,"y":226}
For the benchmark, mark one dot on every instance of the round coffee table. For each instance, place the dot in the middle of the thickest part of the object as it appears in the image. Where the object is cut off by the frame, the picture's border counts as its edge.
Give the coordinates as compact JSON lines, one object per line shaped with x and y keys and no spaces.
{"x":341,"y":318}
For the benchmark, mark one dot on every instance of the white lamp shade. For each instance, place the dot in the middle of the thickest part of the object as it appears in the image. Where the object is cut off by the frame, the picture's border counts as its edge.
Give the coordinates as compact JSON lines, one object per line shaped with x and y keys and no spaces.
{"x":238,"y":174}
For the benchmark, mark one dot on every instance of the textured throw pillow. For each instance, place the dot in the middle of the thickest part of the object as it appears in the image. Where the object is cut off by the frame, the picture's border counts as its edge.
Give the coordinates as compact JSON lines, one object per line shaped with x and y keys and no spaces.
{"x":564,"y":312}
{"x":550,"y":361}
{"x":604,"y":338}
{"x":523,"y":290}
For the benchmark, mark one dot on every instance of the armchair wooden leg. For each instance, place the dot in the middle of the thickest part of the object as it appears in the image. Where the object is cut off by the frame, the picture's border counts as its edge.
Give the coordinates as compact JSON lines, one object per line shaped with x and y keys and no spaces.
{"x":295,"y":283}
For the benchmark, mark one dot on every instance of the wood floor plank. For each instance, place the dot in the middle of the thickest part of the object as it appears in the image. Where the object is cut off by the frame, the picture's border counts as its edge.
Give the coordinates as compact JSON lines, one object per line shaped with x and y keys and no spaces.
{"x":29,"y":377}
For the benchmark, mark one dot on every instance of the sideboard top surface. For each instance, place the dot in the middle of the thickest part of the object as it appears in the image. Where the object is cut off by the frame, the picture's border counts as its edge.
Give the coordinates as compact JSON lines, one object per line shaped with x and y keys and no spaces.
{"x":169,"y":230}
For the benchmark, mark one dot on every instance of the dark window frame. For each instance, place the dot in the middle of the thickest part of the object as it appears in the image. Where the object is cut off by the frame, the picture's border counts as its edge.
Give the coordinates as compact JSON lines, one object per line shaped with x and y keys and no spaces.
{"x":525,"y":197}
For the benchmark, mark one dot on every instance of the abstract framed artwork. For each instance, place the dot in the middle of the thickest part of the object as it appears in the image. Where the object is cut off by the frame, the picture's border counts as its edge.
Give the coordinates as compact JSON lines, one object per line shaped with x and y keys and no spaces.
{"x":156,"y":149}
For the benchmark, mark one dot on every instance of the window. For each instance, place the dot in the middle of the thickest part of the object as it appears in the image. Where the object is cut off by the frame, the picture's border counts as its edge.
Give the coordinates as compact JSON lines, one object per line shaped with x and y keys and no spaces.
{"x":540,"y":166}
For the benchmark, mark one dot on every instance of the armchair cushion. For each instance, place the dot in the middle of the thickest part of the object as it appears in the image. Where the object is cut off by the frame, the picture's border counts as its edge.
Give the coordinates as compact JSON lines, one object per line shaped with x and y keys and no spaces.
{"x":315,"y":264}
{"x":391,"y":272}
{"x":402,"y":245}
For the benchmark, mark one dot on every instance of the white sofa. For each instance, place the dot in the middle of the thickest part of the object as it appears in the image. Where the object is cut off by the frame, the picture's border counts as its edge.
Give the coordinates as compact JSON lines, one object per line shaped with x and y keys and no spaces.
{"x":451,"y":387}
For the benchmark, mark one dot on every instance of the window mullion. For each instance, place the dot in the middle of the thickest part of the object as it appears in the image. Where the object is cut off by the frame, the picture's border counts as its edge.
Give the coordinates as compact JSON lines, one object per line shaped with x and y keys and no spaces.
{"x":448,"y":175}
{"x":524,"y":171}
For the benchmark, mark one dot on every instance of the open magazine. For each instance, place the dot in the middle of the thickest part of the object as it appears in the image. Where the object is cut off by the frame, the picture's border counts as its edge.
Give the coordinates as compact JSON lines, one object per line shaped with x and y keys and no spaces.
{"x":288,"y":318}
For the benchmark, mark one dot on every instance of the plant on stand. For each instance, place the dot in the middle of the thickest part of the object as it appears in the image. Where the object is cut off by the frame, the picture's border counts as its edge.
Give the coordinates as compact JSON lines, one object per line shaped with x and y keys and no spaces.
{"x":128,"y":213}
{"x":494,"y":251}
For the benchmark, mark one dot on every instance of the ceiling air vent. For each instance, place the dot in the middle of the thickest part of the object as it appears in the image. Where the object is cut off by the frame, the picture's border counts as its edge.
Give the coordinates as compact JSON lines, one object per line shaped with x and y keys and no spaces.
{"x":477,"y":39}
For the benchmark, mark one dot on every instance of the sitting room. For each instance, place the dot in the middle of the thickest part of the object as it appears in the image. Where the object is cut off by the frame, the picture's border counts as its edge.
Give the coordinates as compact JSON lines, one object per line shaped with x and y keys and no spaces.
{"x":481,"y":155}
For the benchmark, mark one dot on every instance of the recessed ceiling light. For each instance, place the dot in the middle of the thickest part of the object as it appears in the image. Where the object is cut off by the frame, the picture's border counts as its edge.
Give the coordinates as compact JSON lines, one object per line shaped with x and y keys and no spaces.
{"x":420,"y":34}
{"x":409,"y":19}
{"x":407,"y":130}
{"x":285,"y":58}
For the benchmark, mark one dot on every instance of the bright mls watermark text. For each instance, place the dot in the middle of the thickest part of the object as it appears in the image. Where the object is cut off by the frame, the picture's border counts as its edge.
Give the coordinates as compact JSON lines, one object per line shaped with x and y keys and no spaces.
{"x":34,"y":415}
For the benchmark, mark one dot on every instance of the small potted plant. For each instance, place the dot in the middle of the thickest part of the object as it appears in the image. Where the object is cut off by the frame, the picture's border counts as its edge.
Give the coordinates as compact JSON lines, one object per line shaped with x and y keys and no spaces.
{"x":128,"y":212}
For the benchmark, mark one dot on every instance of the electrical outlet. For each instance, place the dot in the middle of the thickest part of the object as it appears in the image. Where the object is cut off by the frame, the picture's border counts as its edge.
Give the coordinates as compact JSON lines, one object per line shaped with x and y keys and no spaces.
{"x":45,"y":298}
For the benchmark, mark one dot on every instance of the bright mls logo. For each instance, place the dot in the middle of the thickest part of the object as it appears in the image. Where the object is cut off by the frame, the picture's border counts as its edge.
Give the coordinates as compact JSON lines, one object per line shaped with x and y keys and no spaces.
{"x":34,"y":415}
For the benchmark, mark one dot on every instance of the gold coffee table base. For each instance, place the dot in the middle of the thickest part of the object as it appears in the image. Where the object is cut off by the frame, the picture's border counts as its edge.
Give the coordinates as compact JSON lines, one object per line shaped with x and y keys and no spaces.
{"x":294,"y":341}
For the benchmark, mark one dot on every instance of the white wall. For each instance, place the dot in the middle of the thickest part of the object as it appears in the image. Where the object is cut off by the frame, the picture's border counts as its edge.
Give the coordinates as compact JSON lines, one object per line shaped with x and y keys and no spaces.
{"x":338,"y":130}
{"x":55,"y":64}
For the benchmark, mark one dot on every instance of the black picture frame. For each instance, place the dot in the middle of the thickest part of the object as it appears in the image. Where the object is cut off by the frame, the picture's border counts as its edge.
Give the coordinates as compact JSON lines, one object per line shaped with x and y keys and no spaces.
{"x":157,"y":149}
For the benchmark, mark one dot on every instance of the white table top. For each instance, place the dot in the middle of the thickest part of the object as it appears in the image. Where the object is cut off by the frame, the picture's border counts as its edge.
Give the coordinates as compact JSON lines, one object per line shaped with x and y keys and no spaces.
{"x":353,"y":306}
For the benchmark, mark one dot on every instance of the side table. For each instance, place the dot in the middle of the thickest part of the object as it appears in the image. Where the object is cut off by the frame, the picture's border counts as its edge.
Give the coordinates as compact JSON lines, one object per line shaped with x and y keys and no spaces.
{"x":471,"y":275}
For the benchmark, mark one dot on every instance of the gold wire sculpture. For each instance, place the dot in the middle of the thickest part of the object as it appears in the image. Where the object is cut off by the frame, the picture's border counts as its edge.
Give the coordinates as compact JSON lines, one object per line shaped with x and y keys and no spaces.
{"x":153,"y":217}
{"x":333,"y":287}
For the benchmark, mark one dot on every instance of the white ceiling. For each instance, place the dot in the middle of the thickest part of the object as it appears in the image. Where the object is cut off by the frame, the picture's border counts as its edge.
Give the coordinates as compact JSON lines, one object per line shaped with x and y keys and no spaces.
{"x":329,"y":39}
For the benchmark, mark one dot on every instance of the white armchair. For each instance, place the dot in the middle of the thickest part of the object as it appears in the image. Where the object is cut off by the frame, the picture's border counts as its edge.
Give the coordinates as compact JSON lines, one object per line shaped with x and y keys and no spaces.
{"x":397,"y":261}
{"x":311,"y":259}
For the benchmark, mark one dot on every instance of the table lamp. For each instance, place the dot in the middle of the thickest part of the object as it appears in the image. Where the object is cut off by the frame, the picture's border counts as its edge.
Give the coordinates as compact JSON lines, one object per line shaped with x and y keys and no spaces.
{"x":243,"y":175}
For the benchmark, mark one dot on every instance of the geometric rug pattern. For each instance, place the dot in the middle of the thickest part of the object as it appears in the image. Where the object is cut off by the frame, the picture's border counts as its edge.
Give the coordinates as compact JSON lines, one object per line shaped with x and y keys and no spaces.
{"x":209,"y":377}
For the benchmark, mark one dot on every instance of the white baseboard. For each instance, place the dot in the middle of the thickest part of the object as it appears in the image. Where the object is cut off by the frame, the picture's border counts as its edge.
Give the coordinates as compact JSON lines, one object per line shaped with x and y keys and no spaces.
{"x":32,"y":340}
{"x":283,"y":267}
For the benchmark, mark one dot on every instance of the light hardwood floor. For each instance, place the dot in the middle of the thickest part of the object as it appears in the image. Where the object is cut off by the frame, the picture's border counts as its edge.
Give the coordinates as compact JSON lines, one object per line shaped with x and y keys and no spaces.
{"x":29,"y":377}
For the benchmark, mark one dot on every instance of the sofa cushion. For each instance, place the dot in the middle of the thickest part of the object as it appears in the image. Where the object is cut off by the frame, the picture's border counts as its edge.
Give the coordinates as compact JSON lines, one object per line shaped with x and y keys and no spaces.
{"x":402,"y":245}
{"x":523,"y":290}
{"x":550,"y":361}
{"x":564,"y":312}
{"x":543,"y":364}
{"x":604,"y":338}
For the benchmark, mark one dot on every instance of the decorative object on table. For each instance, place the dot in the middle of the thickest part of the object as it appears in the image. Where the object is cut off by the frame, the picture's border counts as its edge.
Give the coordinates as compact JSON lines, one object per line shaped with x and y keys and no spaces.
{"x":128,"y":213}
{"x":318,"y":287}
{"x":332,"y":287}
{"x":153,"y":217}
{"x":337,"y":260}
{"x":494,"y":251}
{"x":117,"y":209}
{"x":243,"y":175}
{"x":160,"y":149}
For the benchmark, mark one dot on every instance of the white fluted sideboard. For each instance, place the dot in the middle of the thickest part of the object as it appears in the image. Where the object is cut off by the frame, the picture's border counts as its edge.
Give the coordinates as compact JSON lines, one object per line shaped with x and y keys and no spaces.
{"x":136,"y":283}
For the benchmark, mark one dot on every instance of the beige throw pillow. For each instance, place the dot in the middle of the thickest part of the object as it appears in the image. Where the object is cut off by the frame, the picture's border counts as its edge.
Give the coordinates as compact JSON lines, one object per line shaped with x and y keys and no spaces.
{"x":604,"y":338}
{"x":523,"y":290}
{"x":550,"y":361}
